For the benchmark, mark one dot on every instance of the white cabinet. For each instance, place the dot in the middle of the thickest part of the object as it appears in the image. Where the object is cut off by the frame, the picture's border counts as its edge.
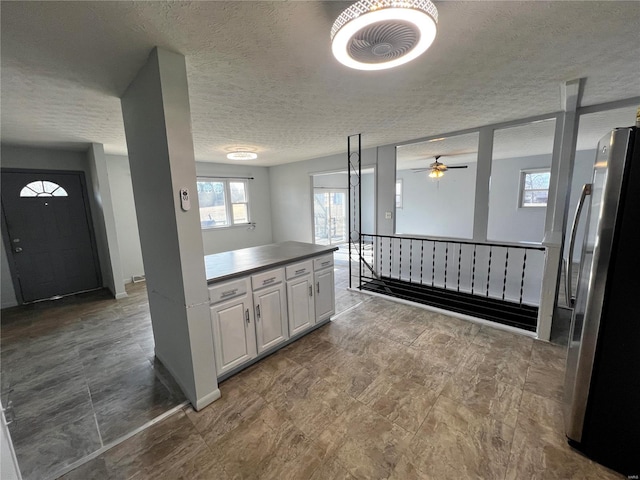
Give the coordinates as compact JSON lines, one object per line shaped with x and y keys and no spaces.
{"x":269,"y":299}
{"x":271,"y":317}
{"x":234,"y":333}
{"x":255,"y":314}
{"x":300,"y":297}
{"x":324,"y":288}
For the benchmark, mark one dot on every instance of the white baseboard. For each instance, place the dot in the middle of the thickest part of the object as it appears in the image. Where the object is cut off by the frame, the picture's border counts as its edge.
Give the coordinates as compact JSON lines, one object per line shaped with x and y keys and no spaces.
{"x":199,"y":403}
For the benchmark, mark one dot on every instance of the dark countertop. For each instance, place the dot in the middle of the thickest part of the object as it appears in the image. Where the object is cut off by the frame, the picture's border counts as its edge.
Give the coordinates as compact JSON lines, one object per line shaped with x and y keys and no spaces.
{"x":228,"y":265}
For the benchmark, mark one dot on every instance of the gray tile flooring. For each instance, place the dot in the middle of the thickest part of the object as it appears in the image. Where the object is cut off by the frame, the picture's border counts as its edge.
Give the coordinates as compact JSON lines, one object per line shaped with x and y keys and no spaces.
{"x":384,"y":391}
{"x":81,"y":373}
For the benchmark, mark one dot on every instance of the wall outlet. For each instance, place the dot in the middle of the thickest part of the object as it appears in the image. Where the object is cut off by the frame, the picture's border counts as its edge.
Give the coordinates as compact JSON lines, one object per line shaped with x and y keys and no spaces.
{"x":388,"y":215}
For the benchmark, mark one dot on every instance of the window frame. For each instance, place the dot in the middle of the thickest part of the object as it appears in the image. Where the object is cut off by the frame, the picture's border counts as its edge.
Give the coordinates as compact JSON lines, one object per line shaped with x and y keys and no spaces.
{"x":228,"y":205}
{"x":522,"y":190}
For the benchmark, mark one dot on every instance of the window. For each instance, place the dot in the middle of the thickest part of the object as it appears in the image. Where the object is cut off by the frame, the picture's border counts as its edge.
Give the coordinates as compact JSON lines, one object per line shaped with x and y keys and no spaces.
{"x":43,"y":188}
{"x":534,"y":188}
{"x":223,"y":202}
{"x":398,"y":193}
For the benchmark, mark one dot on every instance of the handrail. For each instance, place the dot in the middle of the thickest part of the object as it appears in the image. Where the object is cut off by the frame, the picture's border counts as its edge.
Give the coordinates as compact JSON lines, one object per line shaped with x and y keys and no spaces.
{"x":459,"y":241}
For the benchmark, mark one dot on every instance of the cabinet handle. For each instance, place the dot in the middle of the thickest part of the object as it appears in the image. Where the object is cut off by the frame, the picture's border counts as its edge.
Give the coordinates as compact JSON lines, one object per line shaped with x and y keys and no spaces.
{"x":229,"y":293}
{"x":269,"y":280}
{"x":258,"y":312}
{"x":246,"y":315}
{"x":302,"y":270}
{"x":318,"y":287}
{"x":326,"y":263}
{"x":310,"y":291}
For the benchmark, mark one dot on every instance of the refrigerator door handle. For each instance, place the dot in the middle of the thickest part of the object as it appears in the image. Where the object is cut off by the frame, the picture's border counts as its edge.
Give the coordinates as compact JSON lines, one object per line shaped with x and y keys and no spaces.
{"x":568,"y":289}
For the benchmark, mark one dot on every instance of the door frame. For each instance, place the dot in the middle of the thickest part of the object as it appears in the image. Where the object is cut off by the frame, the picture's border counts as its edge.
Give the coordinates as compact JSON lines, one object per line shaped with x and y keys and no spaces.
{"x":87,"y":208}
{"x":330,"y":190}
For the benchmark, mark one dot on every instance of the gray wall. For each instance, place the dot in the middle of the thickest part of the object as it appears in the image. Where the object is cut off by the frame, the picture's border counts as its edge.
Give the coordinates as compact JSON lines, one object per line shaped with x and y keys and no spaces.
{"x":437,"y":208}
{"x":291,"y":190}
{"x":50,"y":159}
{"x":368,"y":203}
{"x":507,"y":221}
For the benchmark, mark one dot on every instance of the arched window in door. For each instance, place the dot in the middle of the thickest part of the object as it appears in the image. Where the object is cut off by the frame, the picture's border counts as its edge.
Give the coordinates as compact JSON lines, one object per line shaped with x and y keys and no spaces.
{"x":43,"y":188}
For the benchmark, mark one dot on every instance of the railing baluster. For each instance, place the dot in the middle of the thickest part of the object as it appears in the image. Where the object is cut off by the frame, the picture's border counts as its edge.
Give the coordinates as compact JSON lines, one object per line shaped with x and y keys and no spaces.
{"x":400,"y":263}
{"x":524,"y":266}
{"x":506,"y":267}
{"x":489,"y":270}
{"x":459,"y":263}
{"x":473,"y":271}
{"x":421,"y":258}
{"x":380,"y":263}
{"x":410,"y":258}
{"x":446,"y":263}
{"x":433,"y":264}
{"x":390,"y":257}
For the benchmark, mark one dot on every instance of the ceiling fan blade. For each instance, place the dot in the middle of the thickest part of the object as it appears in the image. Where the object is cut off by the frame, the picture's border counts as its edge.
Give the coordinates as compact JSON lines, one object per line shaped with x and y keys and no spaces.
{"x":457,"y":166}
{"x":418,"y":170}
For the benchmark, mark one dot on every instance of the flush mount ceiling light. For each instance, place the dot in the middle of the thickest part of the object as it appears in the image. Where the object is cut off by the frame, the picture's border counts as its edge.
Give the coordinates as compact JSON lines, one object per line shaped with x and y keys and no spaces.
{"x":242,"y":155}
{"x":375,"y":35}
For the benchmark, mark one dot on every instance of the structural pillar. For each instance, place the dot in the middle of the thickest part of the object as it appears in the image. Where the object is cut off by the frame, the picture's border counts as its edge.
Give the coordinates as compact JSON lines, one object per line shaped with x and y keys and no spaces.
{"x":564,"y":151}
{"x":157,"y":122}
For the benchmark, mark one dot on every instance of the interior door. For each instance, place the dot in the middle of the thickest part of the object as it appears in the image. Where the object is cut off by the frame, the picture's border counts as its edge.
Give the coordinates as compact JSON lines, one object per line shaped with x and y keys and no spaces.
{"x":330,"y":216}
{"x":51,"y":244}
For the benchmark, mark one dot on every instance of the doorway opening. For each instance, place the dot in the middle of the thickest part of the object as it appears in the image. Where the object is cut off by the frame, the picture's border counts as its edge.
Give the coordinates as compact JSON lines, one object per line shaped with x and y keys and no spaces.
{"x":330,"y":215}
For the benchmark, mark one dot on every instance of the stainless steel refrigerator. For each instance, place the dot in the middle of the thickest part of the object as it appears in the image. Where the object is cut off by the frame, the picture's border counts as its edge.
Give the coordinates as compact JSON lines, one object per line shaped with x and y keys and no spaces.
{"x":602,"y":384}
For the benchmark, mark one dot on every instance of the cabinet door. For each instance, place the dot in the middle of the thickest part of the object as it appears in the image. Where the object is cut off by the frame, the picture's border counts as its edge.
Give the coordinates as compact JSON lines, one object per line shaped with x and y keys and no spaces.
{"x":234,"y":334}
{"x":271,"y":317}
{"x":325,"y":294}
{"x":300,"y":304}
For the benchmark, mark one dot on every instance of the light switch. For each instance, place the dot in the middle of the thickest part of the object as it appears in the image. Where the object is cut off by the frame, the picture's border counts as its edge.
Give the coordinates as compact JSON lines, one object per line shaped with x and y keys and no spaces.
{"x":388,"y":215}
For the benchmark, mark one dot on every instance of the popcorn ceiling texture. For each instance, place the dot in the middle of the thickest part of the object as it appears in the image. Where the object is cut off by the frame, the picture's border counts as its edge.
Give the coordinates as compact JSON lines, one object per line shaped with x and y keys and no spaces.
{"x":261,"y":74}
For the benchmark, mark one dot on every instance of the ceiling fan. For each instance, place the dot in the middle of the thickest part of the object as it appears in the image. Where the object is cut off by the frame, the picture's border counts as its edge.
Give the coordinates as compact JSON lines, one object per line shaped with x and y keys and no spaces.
{"x":437,"y":169}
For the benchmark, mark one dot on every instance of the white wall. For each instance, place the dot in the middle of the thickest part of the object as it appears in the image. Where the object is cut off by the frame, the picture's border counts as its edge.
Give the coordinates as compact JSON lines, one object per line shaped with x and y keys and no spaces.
{"x":125,"y":216}
{"x":437,"y":208}
{"x":291,"y":189}
{"x":507,"y":221}
{"x":224,"y":239}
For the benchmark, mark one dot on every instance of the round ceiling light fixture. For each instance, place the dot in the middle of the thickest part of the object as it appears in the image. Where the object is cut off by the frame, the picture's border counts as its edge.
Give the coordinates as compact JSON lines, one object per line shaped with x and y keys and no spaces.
{"x":242,"y":155}
{"x":375,"y":35}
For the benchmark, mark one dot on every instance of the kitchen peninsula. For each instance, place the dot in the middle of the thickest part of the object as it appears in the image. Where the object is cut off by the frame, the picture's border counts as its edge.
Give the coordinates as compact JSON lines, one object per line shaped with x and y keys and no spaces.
{"x":263,"y":298}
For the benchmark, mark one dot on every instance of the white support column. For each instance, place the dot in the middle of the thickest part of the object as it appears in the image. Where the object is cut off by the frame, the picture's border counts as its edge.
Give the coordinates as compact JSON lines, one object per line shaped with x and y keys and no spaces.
{"x":157,"y":120}
{"x":564,"y":150}
{"x":386,"y":190}
{"x":483,"y":180}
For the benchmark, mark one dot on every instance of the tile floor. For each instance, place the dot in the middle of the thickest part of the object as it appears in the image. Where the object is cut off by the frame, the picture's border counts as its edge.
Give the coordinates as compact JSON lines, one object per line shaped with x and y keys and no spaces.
{"x":385,"y":391}
{"x":80,"y":373}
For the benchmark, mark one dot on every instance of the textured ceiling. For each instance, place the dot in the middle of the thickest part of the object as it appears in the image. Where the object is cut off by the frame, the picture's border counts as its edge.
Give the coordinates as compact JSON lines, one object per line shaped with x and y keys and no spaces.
{"x":261,"y":74}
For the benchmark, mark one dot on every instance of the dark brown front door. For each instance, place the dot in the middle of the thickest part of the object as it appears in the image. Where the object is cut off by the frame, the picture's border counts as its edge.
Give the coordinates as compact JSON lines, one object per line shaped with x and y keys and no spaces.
{"x":50,"y":243}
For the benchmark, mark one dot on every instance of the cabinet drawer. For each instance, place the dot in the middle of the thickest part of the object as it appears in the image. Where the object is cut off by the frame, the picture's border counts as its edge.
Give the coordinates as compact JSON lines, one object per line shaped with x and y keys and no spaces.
{"x":226,"y":291}
{"x":266,"y":279}
{"x":299,"y":269}
{"x":323,"y":262}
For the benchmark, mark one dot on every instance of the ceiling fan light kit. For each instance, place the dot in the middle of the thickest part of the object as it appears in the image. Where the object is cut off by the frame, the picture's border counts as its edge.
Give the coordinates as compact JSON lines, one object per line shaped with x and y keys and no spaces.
{"x":376,"y":35}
